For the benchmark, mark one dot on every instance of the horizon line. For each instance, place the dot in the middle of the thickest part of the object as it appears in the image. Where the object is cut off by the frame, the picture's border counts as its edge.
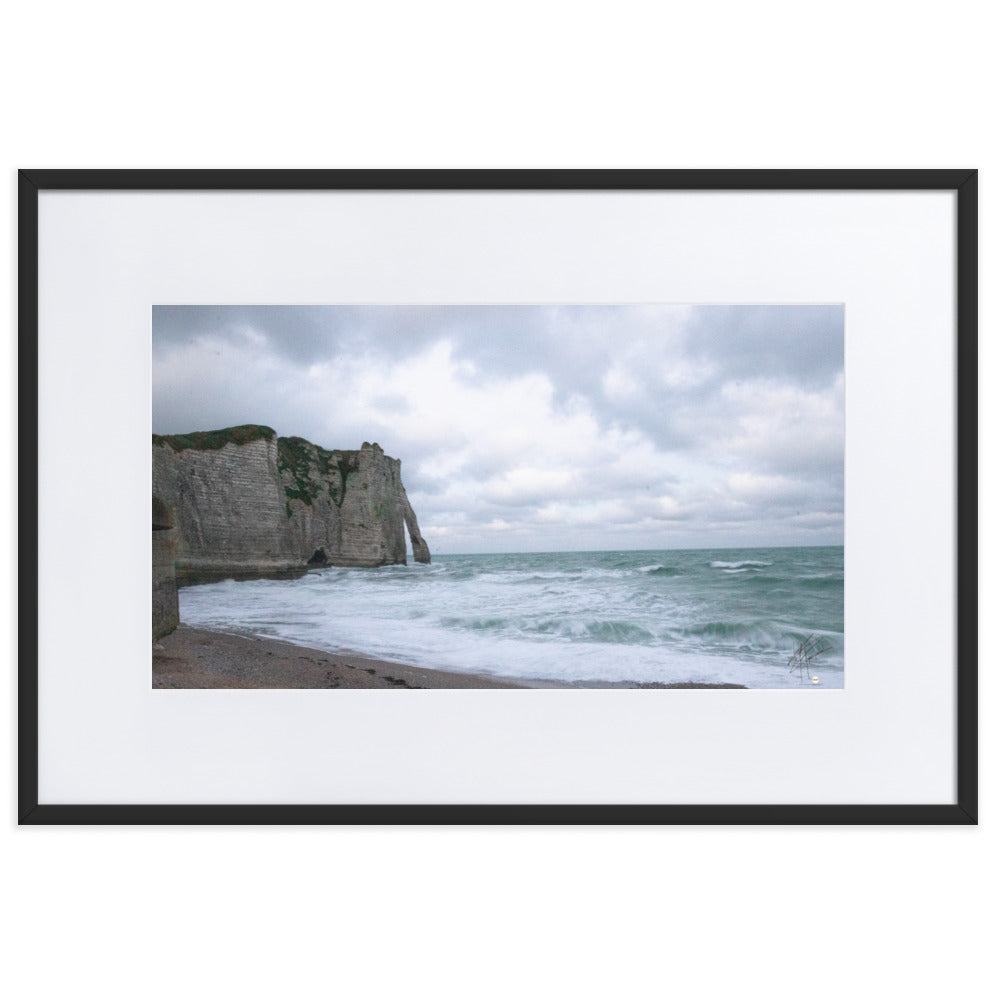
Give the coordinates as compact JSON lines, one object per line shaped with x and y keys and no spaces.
{"x":692,"y":548}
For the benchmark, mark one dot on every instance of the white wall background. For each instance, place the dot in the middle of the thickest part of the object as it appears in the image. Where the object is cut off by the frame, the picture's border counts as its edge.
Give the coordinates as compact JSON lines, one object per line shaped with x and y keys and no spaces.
{"x":501,"y":912}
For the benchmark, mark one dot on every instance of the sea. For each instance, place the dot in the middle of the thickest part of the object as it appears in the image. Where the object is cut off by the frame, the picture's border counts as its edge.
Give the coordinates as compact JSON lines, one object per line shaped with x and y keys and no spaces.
{"x":630,"y":618}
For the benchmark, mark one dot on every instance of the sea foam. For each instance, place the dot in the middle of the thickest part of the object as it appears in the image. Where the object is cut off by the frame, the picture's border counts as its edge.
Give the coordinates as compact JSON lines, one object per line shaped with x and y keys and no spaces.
{"x":617,"y":617}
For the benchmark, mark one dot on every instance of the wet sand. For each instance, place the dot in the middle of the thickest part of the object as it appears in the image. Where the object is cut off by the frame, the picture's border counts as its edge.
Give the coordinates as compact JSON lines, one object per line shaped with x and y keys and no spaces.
{"x":200,"y":658}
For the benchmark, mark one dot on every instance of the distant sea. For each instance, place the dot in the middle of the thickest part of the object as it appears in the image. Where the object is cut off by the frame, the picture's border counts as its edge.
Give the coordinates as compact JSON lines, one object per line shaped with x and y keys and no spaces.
{"x":711,"y":616}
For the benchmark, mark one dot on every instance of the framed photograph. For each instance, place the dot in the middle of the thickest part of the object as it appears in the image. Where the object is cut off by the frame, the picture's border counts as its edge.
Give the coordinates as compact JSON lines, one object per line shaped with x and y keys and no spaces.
{"x":498,"y":496}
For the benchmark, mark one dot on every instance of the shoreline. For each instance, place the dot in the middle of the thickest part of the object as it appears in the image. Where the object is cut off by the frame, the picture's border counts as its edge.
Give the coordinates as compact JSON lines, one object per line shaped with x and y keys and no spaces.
{"x":203,"y":658}
{"x":200,"y":658}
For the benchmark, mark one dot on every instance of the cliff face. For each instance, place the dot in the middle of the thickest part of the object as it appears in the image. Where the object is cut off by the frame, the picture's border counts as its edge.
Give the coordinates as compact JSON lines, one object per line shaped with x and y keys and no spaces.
{"x":248,"y":502}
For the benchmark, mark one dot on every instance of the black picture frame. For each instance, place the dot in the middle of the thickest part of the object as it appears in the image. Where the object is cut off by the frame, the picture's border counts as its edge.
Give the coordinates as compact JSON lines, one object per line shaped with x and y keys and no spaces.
{"x":962,"y":182}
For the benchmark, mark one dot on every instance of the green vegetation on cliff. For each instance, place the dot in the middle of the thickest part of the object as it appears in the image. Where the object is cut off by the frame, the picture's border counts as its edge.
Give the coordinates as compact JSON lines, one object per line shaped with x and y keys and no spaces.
{"x":214,"y":440}
{"x":296,"y":456}
{"x":301,"y":460}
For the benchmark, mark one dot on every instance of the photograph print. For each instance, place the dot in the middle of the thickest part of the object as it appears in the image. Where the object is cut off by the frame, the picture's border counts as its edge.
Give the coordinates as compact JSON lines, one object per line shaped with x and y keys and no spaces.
{"x":498,"y":496}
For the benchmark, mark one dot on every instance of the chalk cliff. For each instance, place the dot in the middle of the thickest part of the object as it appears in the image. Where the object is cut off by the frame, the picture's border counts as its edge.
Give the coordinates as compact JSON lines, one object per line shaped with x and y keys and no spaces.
{"x":246,"y":502}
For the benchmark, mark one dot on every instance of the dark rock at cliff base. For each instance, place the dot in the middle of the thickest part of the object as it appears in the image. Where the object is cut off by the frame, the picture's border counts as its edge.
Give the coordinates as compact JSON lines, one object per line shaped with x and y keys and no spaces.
{"x":245,"y":501}
{"x":163,"y":519}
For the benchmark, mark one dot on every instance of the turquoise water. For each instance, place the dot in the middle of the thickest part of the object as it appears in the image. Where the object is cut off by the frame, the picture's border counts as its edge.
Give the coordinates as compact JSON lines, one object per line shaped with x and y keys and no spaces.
{"x":715,"y":616}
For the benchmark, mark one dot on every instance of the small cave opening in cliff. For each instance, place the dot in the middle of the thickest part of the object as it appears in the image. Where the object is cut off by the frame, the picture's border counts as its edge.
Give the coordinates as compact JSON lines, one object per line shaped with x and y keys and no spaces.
{"x":318,"y":558}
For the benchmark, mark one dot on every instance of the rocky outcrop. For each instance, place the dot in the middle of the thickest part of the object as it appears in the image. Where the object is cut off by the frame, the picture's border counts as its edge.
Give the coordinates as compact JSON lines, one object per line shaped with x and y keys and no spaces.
{"x":248,"y":503}
{"x":166,"y":615}
{"x":421,"y":553}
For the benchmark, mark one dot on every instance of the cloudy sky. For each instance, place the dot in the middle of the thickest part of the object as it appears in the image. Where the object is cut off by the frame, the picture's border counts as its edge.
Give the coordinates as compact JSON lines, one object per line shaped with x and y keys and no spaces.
{"x":543,"y":428}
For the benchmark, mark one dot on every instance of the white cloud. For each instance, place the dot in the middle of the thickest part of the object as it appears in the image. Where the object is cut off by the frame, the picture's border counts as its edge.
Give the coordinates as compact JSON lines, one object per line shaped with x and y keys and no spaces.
{"x":555,"y":427}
